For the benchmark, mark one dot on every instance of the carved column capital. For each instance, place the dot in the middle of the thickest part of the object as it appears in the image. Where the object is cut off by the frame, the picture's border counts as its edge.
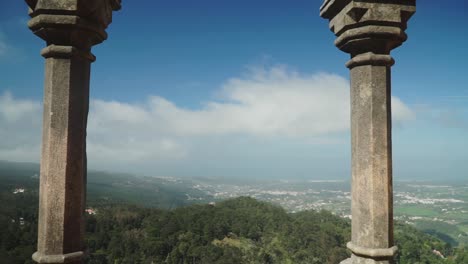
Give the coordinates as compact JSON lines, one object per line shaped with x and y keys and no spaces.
{"x":368,"y":26}
{"x":74,"y":23}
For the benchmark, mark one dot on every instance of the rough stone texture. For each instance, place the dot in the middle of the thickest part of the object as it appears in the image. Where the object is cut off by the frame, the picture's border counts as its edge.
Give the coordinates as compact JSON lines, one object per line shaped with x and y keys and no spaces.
{"x":362,"y":26}
{"x":371,"y":157}
{"x":77,"y":23}
{"x":368,"y":30}
{"x":70,"y":28}
{"x":347,"y":261}
{"x":362,"y":260}
{"x":62,"y":164}
{"x":372,"y":205}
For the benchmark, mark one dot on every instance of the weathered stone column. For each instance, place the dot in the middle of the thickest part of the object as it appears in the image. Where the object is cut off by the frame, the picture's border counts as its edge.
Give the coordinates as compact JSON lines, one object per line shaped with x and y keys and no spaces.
{"x":368,"y":30}
{"x":70,"y":28}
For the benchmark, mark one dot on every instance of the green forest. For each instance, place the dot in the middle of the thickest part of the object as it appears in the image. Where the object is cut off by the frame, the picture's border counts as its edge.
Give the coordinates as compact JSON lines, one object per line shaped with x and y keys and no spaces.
{"x":241,"y":230}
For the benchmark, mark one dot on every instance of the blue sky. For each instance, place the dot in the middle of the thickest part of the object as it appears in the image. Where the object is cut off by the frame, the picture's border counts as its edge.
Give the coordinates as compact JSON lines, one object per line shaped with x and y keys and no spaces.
{"x":243,"y":89}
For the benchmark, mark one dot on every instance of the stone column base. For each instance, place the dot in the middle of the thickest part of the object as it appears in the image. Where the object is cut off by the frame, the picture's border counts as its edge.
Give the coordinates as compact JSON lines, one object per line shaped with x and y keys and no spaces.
{"x":347,"y":261}
{"x":361,"y":260}
{"x":362,"y":255}
{"x":75,"y":257}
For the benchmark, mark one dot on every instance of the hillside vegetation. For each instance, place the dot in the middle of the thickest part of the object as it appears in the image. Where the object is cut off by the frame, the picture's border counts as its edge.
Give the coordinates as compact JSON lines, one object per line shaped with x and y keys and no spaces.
{"x":241,"y":230}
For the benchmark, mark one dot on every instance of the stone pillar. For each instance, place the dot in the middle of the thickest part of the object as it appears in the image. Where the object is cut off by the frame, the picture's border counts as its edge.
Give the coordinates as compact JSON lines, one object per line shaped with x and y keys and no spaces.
{"x":70,"y":28}
{"x":368,"y":30}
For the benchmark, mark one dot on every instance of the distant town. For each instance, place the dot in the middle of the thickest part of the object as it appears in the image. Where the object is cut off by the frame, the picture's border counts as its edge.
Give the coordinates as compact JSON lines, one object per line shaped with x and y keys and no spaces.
{"x":426,"y":206}
{"x":440,"y":209}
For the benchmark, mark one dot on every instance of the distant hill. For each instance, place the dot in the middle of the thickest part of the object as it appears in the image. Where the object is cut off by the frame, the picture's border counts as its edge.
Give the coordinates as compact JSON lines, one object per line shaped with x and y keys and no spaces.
{"x":112,"y":188}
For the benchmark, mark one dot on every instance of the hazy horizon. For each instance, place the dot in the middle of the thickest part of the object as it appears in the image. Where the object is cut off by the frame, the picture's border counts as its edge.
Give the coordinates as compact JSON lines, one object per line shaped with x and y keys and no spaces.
{"x":245,"y":178}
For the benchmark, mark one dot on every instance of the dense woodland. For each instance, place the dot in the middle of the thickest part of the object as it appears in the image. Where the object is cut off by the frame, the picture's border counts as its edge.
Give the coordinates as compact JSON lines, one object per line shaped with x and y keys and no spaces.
{"x":241,"y":230}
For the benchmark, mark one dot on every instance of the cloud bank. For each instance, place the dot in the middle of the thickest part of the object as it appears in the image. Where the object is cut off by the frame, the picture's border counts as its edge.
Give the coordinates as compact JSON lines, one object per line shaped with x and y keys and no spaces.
{"x":267,"y":104}
{"x":20,"y":128}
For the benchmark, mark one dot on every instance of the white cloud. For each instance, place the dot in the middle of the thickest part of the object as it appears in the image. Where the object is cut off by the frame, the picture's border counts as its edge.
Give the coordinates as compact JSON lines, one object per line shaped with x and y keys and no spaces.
{"x":13,"y":110}
{"x":274,"y":103}
{"x":20,"y":128}
{"x":400,"y":111}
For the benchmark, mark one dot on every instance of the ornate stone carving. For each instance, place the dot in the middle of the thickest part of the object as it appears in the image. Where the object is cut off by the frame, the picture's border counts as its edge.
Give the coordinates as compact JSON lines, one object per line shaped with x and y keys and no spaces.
{"x":368,"y":25}
{"x":78,"y":23}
